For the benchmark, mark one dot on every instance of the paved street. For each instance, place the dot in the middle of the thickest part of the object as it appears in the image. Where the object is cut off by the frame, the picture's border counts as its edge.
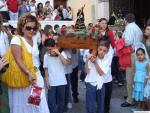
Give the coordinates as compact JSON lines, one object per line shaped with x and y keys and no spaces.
{"x":117,"y":99}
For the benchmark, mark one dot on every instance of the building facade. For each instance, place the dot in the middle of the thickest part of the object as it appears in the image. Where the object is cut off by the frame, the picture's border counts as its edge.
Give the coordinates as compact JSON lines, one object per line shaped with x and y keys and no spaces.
{"x":96,"y":9}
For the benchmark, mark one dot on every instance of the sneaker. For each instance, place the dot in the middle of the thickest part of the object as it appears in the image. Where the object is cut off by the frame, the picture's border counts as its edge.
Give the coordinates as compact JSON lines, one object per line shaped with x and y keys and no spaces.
{"x":115,"y":81}
{"x":80,"y":80}
{"x":126,"y":104}
{"x":69,"y":105}
{"x":120,"y":84}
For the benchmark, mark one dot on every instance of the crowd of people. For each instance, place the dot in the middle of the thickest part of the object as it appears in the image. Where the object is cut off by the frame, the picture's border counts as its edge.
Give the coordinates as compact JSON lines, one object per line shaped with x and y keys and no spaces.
{"x":13,"y":9}
{"x":33,"y":55}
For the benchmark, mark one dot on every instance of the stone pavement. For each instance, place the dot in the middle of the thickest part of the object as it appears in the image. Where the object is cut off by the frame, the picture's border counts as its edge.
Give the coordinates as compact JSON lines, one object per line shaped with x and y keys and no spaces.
{"x":117,"y":99}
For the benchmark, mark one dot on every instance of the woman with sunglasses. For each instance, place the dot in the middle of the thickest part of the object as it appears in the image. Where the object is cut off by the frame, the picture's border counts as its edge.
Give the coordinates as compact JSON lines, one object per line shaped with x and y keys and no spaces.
{"x":18,"y":97}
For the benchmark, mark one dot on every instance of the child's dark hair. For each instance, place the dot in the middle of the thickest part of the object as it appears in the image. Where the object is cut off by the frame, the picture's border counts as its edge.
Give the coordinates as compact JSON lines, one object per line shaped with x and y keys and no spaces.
{"x":56,"y":26}
{"x":140,"y":49}
{"x":102,"y":19}
{"x":104,"y":41}
{"x":49,"y":42}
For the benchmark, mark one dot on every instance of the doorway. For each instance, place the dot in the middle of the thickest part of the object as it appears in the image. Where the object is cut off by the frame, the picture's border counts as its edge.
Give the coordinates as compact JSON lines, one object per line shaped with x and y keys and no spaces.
{"x":141,"y":9}
{"x":60,"y":2}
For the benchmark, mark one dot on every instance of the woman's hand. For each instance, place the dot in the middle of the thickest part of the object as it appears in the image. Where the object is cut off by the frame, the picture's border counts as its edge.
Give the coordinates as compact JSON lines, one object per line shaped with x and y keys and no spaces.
{"x":31,"y":79}
{"x":3,"y":63}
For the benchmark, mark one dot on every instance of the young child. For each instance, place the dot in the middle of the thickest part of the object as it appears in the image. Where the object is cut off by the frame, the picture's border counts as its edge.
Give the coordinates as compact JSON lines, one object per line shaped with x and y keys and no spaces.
{"x":33,"y":7}
{"x":96,"y":68}
{"x":141,"y":71}
{"x":55,"y":76}
{"x":48,"y":15}
{"x":40,"y":15}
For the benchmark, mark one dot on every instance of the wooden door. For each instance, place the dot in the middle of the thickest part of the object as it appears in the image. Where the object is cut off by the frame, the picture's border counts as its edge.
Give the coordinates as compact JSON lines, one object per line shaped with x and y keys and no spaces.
{"x":141,"y":9}
{"x":60,"y":2}
{"x":125,"y":6}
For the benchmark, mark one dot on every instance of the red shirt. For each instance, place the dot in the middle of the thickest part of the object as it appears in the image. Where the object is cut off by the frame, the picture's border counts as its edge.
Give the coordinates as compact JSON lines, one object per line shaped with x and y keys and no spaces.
{"x":124,"y":54}
{"x":57,"y":17}
{"x":112,"y":38}
{"x":13,"y":5}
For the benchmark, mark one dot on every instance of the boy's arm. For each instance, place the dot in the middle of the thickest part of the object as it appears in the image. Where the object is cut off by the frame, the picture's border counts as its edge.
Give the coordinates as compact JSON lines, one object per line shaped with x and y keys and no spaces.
{"x":67,"y":57}
{"x":45,"y":66}
{"x":99,"y":70}
{"x":86,"y":68}
{"x":46,"y":74}
{"x":46,"y":78}
{"x":64,"y":61}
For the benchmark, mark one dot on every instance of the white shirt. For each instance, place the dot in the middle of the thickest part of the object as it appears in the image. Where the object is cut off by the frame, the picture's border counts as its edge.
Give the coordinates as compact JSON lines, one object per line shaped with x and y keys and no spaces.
{"x":54,"y":13}
{"x":33,"y":50}
{"x":56,"y":72}
{"x":33,"y":10}
{"x":108,"y":61}
{"x":4,"y":43}
{"x":70,"y":15}
{"x":132,"y":34}
{"x":86,"y":54}
{"x":67,"y":67}
{"x":65,"y":13}
{"x":4,"y":8}
{"x":93,"y":76}
{"x":37,"y":38}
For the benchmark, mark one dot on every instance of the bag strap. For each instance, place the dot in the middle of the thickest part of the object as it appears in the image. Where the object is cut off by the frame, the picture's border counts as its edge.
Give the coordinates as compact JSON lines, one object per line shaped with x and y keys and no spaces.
{"x":22,"y":43}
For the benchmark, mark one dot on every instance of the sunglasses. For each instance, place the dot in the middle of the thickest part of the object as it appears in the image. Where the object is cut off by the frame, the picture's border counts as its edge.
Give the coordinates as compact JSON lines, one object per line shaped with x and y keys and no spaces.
{"x":29,"y":28}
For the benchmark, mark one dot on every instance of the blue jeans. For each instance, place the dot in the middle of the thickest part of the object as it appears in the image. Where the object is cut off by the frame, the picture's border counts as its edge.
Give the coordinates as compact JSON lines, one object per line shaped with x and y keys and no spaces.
{"x":80,"y":62}
{"x":68,"y":90}
{"x":94,"y":96}
{"x":56,"y":97}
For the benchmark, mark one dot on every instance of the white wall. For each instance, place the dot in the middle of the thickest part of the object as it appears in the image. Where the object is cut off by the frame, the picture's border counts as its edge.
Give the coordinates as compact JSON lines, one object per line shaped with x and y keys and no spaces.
{"x":77,"y":4}
{"x":103,"y":10}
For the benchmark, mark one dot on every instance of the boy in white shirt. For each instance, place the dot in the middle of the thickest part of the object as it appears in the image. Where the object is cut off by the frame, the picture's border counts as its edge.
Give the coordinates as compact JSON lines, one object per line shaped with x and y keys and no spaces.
{"x":97,"y":67}
{"x":55,"y":76}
